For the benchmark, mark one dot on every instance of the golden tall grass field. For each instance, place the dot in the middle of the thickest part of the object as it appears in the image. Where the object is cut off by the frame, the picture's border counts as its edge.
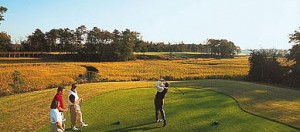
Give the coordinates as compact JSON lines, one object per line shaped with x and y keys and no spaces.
{"x":39,"y":75}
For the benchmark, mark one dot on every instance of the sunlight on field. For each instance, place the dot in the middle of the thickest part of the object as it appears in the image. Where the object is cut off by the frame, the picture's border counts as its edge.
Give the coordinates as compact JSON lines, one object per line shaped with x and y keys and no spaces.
{"x":279,"y":104}
{"x":39,"y":75}
{"x":14,"y":109}
{"x":192,"y":112}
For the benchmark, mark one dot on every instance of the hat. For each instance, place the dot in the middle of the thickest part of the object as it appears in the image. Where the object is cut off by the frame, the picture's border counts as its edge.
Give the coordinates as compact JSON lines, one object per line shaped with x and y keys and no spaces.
{"x":60,"y":88}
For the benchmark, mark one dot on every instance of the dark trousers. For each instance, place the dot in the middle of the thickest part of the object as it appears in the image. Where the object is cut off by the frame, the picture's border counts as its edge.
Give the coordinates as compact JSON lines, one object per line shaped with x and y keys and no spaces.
{"x":159,"y":108}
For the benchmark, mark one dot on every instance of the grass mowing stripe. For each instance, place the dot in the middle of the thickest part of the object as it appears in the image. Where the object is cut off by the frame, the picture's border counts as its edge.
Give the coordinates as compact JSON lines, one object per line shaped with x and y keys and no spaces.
{"x":249,"y":96}
{"x":275,"y":103}
{"x":194,"y":111}
{"x":249,"y":111}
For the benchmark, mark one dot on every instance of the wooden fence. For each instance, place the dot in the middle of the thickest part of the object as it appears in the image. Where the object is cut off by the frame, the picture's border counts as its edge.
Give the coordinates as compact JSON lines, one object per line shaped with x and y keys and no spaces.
{"x":30,"y":54}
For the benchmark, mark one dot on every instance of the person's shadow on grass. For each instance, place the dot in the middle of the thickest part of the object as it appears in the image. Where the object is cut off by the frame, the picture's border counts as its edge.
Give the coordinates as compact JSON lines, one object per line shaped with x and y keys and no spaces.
{"x":68,"y":129}
{"x":134,"y":127}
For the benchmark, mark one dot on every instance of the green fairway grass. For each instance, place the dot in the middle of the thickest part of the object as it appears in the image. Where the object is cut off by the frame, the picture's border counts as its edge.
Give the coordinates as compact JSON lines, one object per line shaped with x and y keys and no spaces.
{"x":30,"y":111}
{"x":193,"y":111}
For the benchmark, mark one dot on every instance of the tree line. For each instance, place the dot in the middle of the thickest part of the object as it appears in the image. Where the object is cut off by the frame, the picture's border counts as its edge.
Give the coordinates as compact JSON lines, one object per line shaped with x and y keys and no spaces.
{"x":265,"y":67}
{"x":101,"y":45}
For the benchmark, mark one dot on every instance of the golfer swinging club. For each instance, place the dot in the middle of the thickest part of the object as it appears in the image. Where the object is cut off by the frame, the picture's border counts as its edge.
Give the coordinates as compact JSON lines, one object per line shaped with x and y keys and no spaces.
{"x":162,"y":89}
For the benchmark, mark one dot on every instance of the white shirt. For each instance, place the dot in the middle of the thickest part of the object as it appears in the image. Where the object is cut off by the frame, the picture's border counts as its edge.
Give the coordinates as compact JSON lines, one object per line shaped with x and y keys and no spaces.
{"x":55,"y":116}
{"x":75,"y":95}
{"x":160,"y":86}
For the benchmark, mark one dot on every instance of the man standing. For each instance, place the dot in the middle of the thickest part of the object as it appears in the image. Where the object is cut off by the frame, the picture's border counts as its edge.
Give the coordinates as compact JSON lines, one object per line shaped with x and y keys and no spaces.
{"x":162,"y":89}
{"x":61,"y":108}
{"x":75,"y":110}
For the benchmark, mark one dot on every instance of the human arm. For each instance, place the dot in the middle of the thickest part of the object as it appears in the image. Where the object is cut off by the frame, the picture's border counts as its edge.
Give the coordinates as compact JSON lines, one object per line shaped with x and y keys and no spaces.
{"x":78,"y":101}
{"x":159,"y":86}
{"x":167,"y":84}
{"x":62,"y":109}
{"x":61,"y":106}
{"x":72,"y":99}
{"x":59,"y":124}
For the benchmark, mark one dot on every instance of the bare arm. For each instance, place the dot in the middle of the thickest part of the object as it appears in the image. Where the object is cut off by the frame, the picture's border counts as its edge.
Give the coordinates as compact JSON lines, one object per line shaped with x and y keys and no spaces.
{"x":60,"y":126}
{"x":61,"y":109}
{"x":78,"y":101}
{"x":159,"y":88}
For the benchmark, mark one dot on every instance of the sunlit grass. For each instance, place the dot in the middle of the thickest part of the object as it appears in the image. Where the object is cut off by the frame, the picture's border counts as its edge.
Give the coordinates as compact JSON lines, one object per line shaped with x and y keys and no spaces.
{"x":275,"y":103}
{"x":39,"y":75}
{"x":280,"y":104}
{"x":32,"y":109}
{"x":193,"y":111}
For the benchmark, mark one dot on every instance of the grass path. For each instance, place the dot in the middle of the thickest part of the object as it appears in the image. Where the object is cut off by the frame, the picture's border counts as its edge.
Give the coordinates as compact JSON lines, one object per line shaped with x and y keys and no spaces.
{"x":30,"y":111}
{"x":193,"y":111}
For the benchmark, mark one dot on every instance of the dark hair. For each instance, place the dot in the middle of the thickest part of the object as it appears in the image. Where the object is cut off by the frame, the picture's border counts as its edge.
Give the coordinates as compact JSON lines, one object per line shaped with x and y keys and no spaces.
{"x":74,"y":85}
{"x":167,"y":84}
{"x":60,"y":88}
{"x":54,"y":104}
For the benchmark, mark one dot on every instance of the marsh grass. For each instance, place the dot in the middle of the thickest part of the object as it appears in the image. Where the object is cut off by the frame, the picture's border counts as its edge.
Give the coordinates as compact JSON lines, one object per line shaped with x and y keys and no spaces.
{"x":39,"y":74}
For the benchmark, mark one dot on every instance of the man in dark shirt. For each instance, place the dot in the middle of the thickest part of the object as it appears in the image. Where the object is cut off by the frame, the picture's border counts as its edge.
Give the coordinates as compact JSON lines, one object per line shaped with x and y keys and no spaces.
{"x":159,"y":103}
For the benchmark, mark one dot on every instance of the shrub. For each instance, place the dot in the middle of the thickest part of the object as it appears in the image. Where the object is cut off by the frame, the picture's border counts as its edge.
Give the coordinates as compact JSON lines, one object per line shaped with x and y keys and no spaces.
{"x":18,"y":82}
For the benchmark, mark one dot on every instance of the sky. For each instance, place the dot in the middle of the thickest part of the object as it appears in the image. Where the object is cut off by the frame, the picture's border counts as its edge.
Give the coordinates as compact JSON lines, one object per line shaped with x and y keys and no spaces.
{"x":250,"y":24}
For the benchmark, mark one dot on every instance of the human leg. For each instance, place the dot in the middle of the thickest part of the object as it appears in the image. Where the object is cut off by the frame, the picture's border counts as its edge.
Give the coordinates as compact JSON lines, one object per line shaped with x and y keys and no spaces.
{"x":79,"y":114}
{"x":54,"y":128}
{"x":163,"y":114}
{"x":73,"y":117}
{"x":158,"y":106}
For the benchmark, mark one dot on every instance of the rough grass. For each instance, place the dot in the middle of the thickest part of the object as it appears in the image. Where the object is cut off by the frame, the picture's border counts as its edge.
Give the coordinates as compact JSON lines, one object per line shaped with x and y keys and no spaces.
{"x":39,"y":75}
{"x":30,"y":111}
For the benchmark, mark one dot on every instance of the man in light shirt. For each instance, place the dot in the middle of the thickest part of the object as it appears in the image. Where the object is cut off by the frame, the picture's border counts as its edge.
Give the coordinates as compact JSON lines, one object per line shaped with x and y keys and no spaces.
{"x":162,"y":89}
{"x":75,"y":110}
{"x":55,"y":117}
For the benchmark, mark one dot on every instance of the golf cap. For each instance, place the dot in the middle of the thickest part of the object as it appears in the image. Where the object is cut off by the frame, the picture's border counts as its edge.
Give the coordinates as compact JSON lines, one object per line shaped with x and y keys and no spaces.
{"x":60,"y":88}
